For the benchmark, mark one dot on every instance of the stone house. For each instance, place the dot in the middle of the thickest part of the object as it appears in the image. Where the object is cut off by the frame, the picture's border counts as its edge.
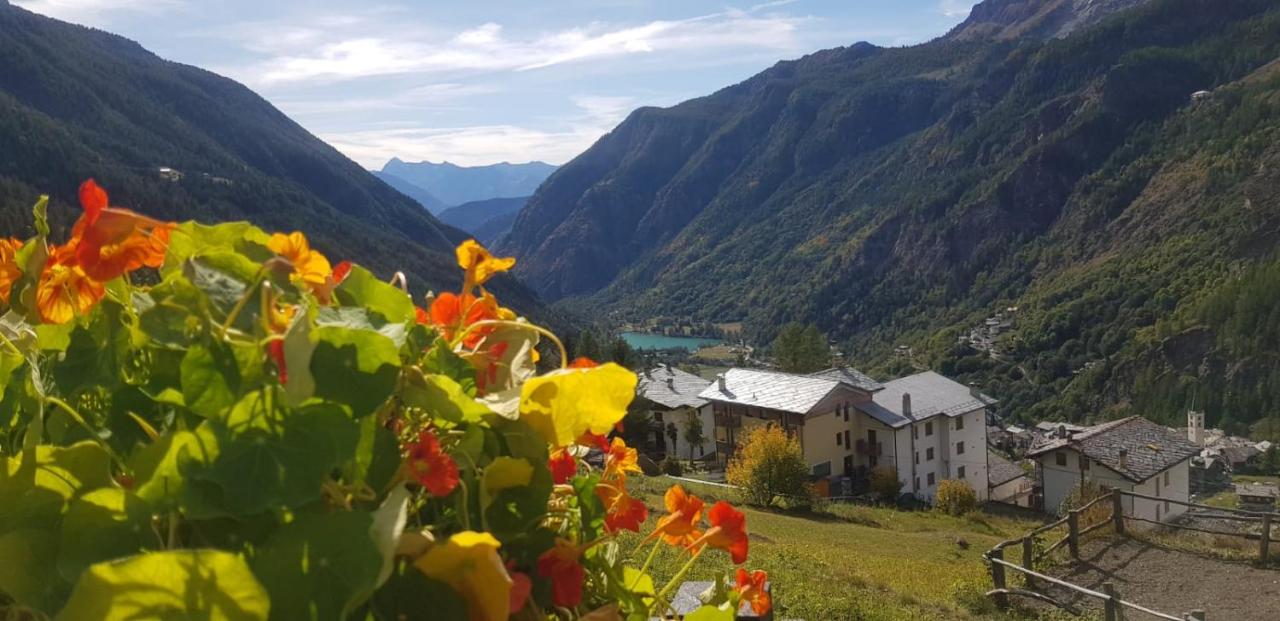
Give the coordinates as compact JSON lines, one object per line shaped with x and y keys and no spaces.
{"x":670,"y":396}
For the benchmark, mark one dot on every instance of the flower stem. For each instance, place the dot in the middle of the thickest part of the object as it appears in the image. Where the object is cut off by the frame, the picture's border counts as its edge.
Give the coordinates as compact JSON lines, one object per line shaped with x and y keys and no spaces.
{"x":92,"y":434}
{"x":661,"y":596}
{"x":564,"y":353}
{"x":653,"y":552}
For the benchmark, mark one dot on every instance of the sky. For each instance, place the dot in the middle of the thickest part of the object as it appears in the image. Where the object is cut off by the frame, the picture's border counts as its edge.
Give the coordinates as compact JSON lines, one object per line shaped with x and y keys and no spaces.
{"x":482,"y":81}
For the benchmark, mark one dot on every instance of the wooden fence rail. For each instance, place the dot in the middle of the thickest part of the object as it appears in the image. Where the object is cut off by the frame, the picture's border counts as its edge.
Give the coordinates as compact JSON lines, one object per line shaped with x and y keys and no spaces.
{"x":1112,"y":602}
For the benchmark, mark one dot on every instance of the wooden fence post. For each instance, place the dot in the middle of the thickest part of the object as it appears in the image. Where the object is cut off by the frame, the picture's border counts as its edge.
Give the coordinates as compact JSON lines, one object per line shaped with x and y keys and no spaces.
{"x":1265,"y":542}
{"x":1073,"y":534}
{"x":1117,"y":511}
{"x":1196,"y":615}
{"x":1112,"y":603}
{"x":1028,"y":558}
{"x":997,"y":577}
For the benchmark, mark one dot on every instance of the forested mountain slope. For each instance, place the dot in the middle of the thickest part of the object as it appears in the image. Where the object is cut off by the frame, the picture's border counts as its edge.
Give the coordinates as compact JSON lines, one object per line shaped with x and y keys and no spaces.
{"x":903,"y":195}
{"x":77,"y":103}
{"x":456,"y":185}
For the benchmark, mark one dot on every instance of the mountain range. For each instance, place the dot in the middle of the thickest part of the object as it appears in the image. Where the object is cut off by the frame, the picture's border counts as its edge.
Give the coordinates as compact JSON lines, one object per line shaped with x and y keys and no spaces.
{"x":77,"y":103}
{"x":451,"y":185}
{"x":488,"y":220}
{"x":1106,"y":167}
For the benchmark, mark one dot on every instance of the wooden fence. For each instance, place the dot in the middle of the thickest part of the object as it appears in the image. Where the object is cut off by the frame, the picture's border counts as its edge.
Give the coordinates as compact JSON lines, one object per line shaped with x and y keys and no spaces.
{"x":1111,"y":600}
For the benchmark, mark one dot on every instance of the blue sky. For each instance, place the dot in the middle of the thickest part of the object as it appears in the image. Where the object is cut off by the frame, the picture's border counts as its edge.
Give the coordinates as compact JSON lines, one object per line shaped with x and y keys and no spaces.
{"x":483,"y":81}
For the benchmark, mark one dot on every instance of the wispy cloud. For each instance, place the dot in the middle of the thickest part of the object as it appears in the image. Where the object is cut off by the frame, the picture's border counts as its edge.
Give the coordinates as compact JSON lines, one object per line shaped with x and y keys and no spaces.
{"x":324,"y":53}
{"x":487,"y":143}
{"x":956,"y":8}
{"x":94,"y":11}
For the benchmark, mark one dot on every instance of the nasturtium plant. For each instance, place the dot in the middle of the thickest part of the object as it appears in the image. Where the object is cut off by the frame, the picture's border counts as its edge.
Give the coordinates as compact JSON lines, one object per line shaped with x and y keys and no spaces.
{"x":210,"y":421}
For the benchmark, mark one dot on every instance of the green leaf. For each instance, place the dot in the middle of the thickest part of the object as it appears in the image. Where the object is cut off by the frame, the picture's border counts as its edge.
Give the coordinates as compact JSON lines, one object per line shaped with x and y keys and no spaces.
{"x":319,"y":567}
{"x":388,"y":524}
{"x":191,"y":239}
{"x":411,"y":596}
{"x":298,"y":349}
{"x":9,"y":362}
{"x":441,"y":397}
{"x":179,"y":585}
{"x":223,"y":290}
{"x":723,"y":612}
{"x":440,"y":359}
{"x":27,"y":565}
{"x":362,"y":288}
{"x":67,"y":471}
{"x":40,"y":212}
{"x":160,"y":468}
{"x":104,"y":524}
{"x":354,"y":366}
{"x":377,"y":454}
{"x":210,"y":379}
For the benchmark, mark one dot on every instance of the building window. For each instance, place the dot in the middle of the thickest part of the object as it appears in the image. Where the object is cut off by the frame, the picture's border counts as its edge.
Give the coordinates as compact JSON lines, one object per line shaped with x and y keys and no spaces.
{"x":931,"y":479}
{"x":657,"y":417}
{"x":1060,"y":458}
{"x":846,"y":439}
{"x":915,"y":432}
{"x":917,"y":457}
{"x":1084,"y":462}
{"x":839,"y":437}
{"x":959,"y":448}
{"x":960,"y":472}
{"x":959,"y":423}
{"x":1166,"y":479}
{"x":928,"y":428}
{"x":846,"y":412}
{"x":928,"y":454}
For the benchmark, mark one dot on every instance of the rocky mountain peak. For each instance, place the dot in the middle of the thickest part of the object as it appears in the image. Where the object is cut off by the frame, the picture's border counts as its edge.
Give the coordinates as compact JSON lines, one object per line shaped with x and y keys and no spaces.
{"x":1040,"y":19}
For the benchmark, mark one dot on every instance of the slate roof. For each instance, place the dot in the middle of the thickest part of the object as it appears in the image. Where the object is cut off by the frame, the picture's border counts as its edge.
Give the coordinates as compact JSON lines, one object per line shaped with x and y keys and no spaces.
{"x":932,"y":394}
{"x":850,"y":376}
{"x":670,"y":387}
{"x":1001,"y":470}
{"x":770,"y":389}
{"x":1152,"y":448}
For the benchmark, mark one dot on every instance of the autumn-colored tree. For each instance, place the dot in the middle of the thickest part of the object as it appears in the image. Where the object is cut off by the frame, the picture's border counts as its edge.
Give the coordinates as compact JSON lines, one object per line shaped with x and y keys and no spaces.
{"x":886,"y":484}
{"x":955,"y":497}
{"x":770,"y":466}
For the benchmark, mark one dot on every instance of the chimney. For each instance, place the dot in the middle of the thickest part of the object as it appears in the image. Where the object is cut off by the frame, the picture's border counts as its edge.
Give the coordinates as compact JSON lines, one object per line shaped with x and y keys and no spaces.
{"x":973,"y":391}
{"x":667,"y":366}
{"x":720,"y":381}
{"x":671,"y":383}
{"x":906,"y":404}
{"x":648,"y":373}
{"x":1062,"y":432}
{"x":1124,"y":458}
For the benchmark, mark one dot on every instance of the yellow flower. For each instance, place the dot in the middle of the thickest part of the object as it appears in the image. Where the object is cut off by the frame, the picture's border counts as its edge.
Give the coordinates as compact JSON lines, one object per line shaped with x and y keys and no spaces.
{"x":480,"y":264}
{"x":469,"y":563}
{"x":507,"y":472}
{"x":10,"y":271}
{"x":309,"y":265}
{"x":563,"y":405}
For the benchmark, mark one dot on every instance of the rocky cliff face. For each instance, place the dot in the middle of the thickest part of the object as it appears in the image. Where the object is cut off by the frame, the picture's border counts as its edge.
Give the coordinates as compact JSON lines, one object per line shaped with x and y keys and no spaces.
{"x":1041,"y":19}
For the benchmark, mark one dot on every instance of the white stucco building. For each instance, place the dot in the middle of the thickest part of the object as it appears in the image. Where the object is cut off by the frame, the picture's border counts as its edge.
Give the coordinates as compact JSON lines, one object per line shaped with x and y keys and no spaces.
{"x":671,"y":398}
{"x":1132,"y":454}
{"x":926,"y":427}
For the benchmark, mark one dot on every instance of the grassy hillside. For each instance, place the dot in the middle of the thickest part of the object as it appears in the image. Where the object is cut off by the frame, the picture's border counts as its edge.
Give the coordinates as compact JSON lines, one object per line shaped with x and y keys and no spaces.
{"x":862,"y":563}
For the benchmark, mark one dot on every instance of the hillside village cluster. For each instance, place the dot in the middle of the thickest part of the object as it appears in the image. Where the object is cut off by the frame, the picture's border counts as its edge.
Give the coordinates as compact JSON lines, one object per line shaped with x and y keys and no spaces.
{"x":929,"y":428}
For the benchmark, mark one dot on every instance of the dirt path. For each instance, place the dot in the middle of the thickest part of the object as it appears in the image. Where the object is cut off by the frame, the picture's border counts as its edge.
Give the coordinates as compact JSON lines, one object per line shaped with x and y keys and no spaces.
{"x":1175,"y":582}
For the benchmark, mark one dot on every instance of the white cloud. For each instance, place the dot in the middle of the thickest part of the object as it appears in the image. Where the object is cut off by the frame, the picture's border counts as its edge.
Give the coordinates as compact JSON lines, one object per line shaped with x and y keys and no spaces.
{"x":93,"y":12}
{"x":316,"y":53}
{"x":486,"y":144}
{"x":955,"y":8}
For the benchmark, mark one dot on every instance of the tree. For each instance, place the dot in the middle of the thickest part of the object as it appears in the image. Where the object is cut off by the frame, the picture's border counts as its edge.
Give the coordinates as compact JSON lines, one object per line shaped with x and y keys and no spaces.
{"x":621,"y":352}
{"x":886,"y":484}
{"x":674,"y":435}
{"x":955,"y":497}
{"x":769,"y":466}
{"x":801,"y":349}
{"x":693,"y":432}
{"x":587,"y":346}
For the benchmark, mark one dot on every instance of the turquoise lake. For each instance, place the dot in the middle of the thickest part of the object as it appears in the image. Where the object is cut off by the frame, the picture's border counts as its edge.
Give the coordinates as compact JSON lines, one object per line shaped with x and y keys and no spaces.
{"x":642,"y":340}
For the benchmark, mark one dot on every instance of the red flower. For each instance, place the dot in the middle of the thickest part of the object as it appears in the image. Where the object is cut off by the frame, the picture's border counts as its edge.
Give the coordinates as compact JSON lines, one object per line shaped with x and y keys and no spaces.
{"x":341,"y":271}
{"x":432,"y":467}
{"x":560,"y":565}
{"x":583,"y":363}
{"x":728,"y":531}
{"x":751,"y":589}
{"x":112,"y":241}
{"x":521,"y":586}
{"x":563,"y":466}
{"x":275,"y":349}
{"x":622,"y":512}
{"x":421,"y":316}
{"x":594,"y":439}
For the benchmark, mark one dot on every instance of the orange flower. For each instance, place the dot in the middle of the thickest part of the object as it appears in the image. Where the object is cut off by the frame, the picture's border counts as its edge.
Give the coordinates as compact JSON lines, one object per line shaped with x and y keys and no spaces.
{"x":619,"y":460}
{"x":728,"y":531}
{"x":64,"y":291}
{"x":325,"y":292}
{"x":10,"y":271}
{"x":622,"y":511}
{"x":431,"y":466}
{"x":563,"y":466}
{"x":309,"y":266}
{"x":583,"y":363}
{"x":479,"y":264}
{"x":597,"y":440}
{"x":111,"y":241}
{"x":451,"y":314}
{"x":751,"y":588}
{"x":560,"y":565}
{"x":680,"y":526}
